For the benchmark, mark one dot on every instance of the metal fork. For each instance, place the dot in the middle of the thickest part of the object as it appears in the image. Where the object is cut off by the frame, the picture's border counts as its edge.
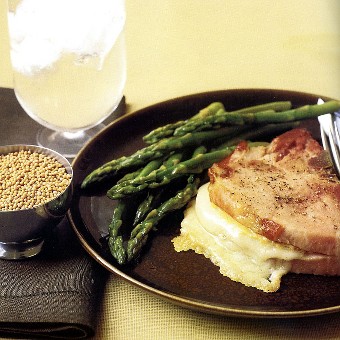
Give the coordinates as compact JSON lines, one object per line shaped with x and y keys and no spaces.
{"x":330,"y":136}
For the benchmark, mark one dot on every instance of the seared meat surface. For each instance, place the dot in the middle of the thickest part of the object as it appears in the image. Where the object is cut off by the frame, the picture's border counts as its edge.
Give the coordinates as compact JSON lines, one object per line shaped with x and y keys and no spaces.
{"x":285,"y":191}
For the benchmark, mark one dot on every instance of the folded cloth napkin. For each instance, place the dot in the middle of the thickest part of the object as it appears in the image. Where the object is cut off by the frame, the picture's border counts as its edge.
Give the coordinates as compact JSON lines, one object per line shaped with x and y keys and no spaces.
{"x":53,"y":295}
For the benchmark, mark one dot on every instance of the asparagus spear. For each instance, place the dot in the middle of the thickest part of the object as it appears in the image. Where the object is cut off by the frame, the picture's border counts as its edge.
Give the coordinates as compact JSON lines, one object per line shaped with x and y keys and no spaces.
{"x":146,"y":205}
{"x":199,"y":151}
{"x":155,"y":151}
{"x":275,"y":106}
{"x":139,"y":234}
{"x":130,"y":175}
{"x":267,"y":116}
{"x":258,"y":131}
{"x":212,"y":109}
{"x":161,"y":177}
{"x":115,"y":239}
{"x":168,"y":129}
{"x":152,"y":165}
{"x":174,"y":159}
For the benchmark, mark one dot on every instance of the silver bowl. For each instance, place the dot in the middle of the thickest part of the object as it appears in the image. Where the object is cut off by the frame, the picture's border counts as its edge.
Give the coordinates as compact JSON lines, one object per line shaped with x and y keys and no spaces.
{"x":23,"y":232}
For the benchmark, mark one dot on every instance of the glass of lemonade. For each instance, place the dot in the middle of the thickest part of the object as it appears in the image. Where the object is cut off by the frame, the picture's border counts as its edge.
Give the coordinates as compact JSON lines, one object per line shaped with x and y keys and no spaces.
{"x":69,"y":66}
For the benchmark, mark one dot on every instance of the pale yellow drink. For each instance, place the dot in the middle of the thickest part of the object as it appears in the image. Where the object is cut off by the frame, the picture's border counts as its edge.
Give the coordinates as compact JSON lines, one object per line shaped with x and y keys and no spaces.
{"x":68,"y":58}
{"x":74,"y":93}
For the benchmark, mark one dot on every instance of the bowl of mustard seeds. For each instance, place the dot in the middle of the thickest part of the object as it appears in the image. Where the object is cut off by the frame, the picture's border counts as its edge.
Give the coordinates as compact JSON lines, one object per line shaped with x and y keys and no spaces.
{"x":35,"y":194}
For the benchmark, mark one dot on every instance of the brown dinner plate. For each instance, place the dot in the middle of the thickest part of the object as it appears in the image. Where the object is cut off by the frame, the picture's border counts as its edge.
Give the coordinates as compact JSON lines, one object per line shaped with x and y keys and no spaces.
{"x":185,"y":278}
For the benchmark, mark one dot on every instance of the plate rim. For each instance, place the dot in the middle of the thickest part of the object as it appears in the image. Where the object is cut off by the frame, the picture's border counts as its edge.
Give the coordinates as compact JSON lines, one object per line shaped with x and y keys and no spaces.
{"x":186,"y":302}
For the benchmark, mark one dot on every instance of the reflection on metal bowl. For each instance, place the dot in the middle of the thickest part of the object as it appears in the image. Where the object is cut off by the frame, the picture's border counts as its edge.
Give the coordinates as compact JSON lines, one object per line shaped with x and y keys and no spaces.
{"x":23,"y":231}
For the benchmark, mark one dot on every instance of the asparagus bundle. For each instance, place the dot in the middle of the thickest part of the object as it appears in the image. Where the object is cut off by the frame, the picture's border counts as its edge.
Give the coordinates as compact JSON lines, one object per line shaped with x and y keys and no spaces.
{"x":140,"y":233}
{"x":164,"y":176}
{"x":210,"y":111}
{"x":126,"y":251}
{"x":260,"y":117}
{"x":158,"y":150}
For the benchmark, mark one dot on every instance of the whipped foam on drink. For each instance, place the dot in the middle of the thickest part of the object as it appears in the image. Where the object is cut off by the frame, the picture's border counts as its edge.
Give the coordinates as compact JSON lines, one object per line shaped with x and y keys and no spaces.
{"x":41,"y":30}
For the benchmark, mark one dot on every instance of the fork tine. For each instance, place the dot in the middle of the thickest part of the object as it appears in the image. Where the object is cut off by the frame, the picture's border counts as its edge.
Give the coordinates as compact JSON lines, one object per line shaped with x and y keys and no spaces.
{"x":336,"y":130}
{"x":330,"y":137}
{"x":334,"y":142}
{"x":324,"y":139}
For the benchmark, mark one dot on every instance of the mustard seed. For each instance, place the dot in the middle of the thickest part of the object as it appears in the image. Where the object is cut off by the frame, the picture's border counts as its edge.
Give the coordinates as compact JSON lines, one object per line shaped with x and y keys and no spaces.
{"x":29,"y":179}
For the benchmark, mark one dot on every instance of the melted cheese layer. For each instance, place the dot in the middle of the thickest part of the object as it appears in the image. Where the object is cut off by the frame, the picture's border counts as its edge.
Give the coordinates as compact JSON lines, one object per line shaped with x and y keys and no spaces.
{"x":241,"y":254}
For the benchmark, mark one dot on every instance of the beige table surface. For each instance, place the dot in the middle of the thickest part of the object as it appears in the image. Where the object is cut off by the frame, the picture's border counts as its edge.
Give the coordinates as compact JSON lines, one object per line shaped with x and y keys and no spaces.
{"x":181,"y":47}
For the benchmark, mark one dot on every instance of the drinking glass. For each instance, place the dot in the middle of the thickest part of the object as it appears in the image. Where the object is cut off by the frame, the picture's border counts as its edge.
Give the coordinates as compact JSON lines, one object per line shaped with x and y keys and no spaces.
{"x":69,"y":66}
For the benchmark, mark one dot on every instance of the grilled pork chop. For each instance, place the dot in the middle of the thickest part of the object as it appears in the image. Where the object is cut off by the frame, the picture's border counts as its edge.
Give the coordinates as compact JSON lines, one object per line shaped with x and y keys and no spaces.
{"x":285,"y":191}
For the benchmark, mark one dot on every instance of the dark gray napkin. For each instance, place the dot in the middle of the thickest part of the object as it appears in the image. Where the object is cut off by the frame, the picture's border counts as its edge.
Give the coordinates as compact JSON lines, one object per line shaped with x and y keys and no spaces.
{"x":57,"y":293}
{"x":53,"y":295}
